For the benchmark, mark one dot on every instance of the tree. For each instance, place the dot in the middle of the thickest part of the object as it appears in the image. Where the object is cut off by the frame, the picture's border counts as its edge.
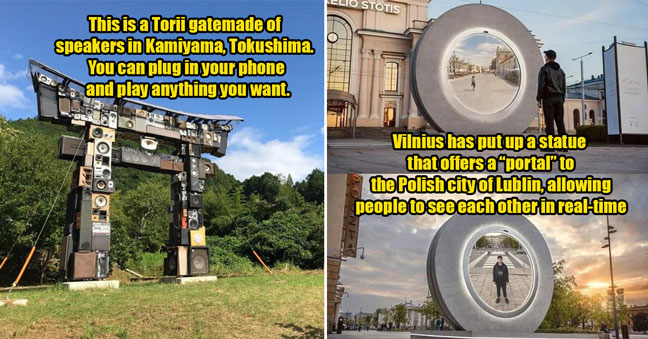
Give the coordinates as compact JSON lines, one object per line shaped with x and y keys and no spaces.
{"x":139,"y":220}
{"x":267,"y":186}
{"x":400,"y":314}
{"x":312,"y":188}
{"x":428,"y":309}
{"x":640,"y":322}
{"x":483,"y":242}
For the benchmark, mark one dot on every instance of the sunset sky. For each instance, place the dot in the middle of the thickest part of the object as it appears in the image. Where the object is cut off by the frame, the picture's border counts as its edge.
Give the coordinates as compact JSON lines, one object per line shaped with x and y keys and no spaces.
{"x":397,"y":246}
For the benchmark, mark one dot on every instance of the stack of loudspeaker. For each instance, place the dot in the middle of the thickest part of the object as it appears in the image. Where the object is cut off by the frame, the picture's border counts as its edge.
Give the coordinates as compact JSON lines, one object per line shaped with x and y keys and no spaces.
{"x":86,"y":241}
{"x":187,"y":251}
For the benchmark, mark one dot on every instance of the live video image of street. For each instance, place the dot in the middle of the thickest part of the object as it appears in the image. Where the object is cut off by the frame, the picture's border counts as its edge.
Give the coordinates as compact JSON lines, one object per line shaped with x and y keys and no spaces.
{"x":484,"y":73}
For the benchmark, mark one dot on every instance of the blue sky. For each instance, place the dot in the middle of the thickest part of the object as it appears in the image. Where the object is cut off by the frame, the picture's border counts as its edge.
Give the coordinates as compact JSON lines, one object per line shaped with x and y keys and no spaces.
{"x":572,"y":28}
{"x":283,"y":136}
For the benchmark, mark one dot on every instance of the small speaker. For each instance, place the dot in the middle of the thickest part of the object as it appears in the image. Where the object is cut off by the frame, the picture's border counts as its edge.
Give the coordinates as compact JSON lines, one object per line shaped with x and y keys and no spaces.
{"x":195,"y":200}
{"x":100,"y":236}
{"x":176,"y":261}
{"x":136,"y":157}
{"x":83,"y":222}
{"x":194,"y":150}
{"x":100,"y":207}
{"x":210,"y":168}
{"x":103,"y":185}
{"x":193,"y":221}
{"x":220,"y":144}
{"x":47,"y":102}
{"x":198,"y":261}
{"x":71,"y":146}
{"x":198,"y":237}
{"x":64,"y":105}
{"x":103,"y":265}
{"x":84,"y":265}
{"x":178,"y":236}
{"x":82,"y":177}
{"x":66,"y":250}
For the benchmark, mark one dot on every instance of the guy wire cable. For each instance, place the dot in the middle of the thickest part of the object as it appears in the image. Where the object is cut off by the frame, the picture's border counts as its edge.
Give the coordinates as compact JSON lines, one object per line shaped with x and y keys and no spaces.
{"x":33,"y":249}
{"x":236,"y":228}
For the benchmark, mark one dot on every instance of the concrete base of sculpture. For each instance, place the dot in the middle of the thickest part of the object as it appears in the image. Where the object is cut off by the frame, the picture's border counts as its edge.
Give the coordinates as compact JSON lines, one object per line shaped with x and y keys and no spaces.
{"x":14,"y":302}
{"x":188,"y":280}
{"x":511,"y":335}
{"x":91,"y":285}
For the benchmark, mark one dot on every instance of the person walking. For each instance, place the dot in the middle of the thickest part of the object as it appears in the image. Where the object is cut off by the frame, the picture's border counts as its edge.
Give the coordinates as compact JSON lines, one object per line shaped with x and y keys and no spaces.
{"x":500,"y":278}
{"x":551,"y":94}
{"x":441,"y":324}
{"x":472,"y":82}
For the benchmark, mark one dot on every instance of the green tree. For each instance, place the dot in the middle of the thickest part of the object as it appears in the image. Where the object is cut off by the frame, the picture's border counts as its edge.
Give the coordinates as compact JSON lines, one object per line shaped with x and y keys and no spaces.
{"x":267,"y":186}
{"x":30,"y":178}
{"x":428,"y":309}
{"x":400,"y":314}
{"x":312,"y":188}
{"x":139,"y":220}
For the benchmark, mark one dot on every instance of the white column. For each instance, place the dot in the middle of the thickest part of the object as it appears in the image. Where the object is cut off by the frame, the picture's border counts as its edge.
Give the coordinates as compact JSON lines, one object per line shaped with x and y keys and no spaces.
{"x":376,"y":85}
{"x":365,"y":85}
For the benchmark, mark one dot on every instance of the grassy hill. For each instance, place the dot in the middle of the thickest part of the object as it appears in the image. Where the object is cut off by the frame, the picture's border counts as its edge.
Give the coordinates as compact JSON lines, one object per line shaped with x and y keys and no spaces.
{"x":288,"y":306}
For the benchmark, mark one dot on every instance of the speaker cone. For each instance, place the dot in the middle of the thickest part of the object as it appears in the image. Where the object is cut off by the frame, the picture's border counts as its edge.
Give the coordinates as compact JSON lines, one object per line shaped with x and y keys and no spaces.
{"x":103,"y":148}
{"x":97,"y":132}
{"x":101,"y":201}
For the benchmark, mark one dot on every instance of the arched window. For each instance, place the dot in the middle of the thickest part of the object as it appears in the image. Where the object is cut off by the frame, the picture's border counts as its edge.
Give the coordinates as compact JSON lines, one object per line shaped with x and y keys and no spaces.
{"x":338,"y":53}
{"x":592,"y":116}
{"x":576,"y":114}
{"x":391,"y":76}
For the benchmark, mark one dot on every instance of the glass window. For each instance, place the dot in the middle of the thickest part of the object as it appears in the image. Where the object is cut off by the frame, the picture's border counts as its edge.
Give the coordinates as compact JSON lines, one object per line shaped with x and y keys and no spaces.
{"x":338,"y":48}
{"x":391,"y":76}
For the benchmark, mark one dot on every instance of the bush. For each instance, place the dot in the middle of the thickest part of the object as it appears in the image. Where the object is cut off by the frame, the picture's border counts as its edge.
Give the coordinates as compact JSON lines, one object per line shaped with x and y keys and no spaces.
{"x":148,"y":265}
{"x":593,"y":133}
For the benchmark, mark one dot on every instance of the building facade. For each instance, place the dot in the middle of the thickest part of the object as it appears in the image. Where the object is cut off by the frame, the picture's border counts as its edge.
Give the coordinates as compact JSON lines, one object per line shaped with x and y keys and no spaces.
{"x":369,"y":43}
{"x":368,"y":62}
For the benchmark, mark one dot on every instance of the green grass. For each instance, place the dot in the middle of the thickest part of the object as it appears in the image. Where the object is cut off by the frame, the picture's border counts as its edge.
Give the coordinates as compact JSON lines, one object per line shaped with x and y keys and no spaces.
{"x":260,"y":306}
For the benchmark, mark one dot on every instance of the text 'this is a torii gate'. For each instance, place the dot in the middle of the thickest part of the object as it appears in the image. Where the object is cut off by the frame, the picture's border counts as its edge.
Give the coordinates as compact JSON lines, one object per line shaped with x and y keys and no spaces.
{"x":86,"y":243}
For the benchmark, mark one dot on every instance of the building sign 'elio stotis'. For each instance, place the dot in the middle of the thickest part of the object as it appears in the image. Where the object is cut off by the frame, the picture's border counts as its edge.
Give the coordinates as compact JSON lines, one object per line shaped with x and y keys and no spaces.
{"x":366,"y":5}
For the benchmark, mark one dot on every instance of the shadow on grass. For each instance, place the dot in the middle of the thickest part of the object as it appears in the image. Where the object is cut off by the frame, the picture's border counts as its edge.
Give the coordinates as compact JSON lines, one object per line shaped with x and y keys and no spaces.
{"x":307,"y":332}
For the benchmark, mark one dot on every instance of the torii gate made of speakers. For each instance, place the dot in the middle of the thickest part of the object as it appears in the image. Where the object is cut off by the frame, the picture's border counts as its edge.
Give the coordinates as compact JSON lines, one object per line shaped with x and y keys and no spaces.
{"x":86,"y":242}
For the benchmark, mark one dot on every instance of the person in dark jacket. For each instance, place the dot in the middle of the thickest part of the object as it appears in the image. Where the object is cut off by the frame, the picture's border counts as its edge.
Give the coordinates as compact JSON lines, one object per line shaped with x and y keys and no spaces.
{"x":551,"y":94}
{"x":500,"y":278}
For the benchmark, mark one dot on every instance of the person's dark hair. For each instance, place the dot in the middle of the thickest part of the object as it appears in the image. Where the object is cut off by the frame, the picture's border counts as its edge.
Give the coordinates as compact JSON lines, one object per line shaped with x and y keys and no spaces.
{"x":550,"y":53}
{"x":500,"y":257}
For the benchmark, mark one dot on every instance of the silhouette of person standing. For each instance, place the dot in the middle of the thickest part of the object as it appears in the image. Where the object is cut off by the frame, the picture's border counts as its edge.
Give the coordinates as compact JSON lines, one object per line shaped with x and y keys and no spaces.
{"x":500,"y":278}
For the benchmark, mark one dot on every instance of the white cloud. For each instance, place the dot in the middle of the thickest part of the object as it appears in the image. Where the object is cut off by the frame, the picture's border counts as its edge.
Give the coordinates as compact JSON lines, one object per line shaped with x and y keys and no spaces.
{"x":248,"y":155}
{"x":10,"y":95}
{"x":18,"y":56}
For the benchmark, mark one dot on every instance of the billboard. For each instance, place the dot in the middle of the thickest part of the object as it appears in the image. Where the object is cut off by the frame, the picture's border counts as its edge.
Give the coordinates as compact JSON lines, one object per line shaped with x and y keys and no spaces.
{"x":611,"y":104}
{"x":626,"y":89}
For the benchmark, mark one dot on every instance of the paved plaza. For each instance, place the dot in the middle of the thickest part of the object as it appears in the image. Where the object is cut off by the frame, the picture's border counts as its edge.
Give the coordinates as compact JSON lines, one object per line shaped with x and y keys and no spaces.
{"x":520,"y":279}
{"x":377,"y":156}
{"x":406,"y":335}
{"x":491,"y":94}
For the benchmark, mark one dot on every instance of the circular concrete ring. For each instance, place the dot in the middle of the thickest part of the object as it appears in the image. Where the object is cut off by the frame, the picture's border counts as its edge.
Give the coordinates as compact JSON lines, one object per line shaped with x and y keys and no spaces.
{"x":449,"y":279}
{"x":431,"y":88}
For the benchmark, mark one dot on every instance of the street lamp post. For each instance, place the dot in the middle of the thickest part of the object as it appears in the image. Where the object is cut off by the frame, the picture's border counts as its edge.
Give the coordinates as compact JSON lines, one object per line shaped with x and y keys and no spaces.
{"x":610,"y":230}
{"x":582,"y":85}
